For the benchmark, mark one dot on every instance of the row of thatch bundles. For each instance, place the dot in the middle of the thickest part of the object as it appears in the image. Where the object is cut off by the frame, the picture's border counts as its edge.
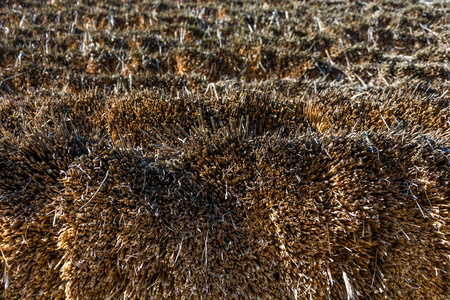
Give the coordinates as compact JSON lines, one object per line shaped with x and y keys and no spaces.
{"x":218,"y":209}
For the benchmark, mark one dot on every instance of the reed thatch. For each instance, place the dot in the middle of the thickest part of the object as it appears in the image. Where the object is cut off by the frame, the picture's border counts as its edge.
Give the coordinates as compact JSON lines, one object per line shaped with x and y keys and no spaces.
{"x":243,"y":150}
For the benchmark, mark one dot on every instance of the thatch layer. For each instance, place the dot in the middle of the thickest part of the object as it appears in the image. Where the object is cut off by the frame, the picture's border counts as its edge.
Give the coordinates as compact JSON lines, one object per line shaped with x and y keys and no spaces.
{"x":239,"y":150}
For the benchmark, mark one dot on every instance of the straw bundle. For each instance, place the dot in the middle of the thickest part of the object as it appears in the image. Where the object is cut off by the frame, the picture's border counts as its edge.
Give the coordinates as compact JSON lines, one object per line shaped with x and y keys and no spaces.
{"x":30,"y":168}
{"x":340,"y":205}
{"x":154,"y":228}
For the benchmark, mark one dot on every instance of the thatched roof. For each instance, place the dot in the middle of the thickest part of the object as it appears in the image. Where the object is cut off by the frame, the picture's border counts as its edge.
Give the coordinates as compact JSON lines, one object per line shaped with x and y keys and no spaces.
{"x":239,"y":150}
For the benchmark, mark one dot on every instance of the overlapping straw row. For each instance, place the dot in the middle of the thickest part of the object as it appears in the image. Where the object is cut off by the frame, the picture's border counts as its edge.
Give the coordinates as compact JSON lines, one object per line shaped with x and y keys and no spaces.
{"x":120,"y":45}
{"x":225,"y":211}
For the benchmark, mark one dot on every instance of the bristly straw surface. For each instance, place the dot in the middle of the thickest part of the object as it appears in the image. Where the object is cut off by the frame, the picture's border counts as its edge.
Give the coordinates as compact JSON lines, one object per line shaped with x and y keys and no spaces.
{"x":239,"y":150}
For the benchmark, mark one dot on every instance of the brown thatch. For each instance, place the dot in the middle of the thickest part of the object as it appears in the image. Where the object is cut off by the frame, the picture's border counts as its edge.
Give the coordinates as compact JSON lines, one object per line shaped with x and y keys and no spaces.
{"x":242,"y":150}
{"x":329,"y":210}
{"x":152,"y":227}
{"x":30,"y":212}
